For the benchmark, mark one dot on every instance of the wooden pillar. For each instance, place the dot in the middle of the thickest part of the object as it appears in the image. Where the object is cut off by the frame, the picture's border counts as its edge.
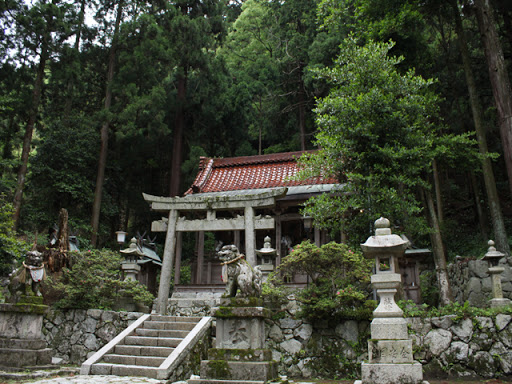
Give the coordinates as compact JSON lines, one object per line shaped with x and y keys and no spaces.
{"x":200,"y":257}
{"x":278,"y":239}
{"x":209,"y":275}
{"x":179,"y":249}
{"x":167,"y":263}
{"x":250,"y":236}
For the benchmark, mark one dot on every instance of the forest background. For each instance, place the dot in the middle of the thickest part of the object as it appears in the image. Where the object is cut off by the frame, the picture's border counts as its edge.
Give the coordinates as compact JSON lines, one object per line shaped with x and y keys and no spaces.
{"x":92,"y":114}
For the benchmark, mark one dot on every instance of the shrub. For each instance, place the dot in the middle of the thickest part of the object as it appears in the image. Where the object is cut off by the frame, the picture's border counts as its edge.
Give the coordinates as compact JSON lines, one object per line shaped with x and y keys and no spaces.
{"x":339,"y":280}
{"x":94,"y":281}
{"x":11,"y":249}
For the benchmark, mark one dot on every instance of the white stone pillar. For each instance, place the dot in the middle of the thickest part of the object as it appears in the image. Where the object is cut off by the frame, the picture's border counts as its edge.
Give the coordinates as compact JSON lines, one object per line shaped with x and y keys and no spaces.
{"x":250,"y":236}
{"x":167,"y":263}
{"x":179,"y":249}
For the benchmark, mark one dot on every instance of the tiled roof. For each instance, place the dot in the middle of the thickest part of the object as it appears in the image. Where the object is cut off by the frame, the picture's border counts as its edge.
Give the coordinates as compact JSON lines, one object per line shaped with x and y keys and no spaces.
{"x":250,"y":172}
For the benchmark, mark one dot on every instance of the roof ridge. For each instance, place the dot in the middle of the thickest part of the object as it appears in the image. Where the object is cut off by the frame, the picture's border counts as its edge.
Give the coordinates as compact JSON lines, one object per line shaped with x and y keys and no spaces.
{"x":258,"y":159}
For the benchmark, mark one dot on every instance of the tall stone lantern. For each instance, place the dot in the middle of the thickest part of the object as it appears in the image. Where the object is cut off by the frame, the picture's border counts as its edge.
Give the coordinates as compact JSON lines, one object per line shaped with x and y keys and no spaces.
{"x":130,"y":266}
{"x":389,"y":349}
{"x":493,"y":257}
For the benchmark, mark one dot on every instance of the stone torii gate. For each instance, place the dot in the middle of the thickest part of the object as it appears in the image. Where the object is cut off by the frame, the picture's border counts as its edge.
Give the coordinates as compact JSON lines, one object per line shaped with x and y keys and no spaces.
{"x":210,"y":203}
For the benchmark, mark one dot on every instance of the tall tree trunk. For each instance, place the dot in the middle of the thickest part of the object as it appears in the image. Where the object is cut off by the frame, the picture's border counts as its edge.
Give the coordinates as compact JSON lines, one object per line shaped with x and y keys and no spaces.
{"x":498,"y":223}
{"x":76,"y":49}
{"x":437,"y":185}
{"x":179,"y":126}
{"x":482,"y":217}
{"x":29,"y":130}
{"x":445,"y":292}
{"x":505,"y":8}
{"x":499,"y":79}
{"x":102,"y":162}
{"x":302,"y":116}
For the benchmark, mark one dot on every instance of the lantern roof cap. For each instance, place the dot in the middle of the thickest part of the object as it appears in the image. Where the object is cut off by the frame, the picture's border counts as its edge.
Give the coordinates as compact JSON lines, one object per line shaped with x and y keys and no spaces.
{"x":492,"y":253}
{"x":384,"y":240}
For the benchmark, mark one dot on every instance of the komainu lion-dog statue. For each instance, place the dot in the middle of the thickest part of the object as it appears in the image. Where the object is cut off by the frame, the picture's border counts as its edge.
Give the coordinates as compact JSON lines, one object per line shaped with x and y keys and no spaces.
{"x":242,"y":280}
{"x":26,"y":280}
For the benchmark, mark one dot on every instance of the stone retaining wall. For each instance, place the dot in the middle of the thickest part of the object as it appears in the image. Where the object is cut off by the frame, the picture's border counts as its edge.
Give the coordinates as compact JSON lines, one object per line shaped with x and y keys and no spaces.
{"x":480,"y":346}
{"x":75,"y":334}
{"x":447,"y":347}
{"x":471,"y":282}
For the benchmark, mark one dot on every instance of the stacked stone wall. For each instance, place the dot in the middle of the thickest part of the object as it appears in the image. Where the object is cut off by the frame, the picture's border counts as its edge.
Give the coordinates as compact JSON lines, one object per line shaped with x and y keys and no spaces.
{"x":75,"y":334}
{"x":446,"y":346}
{"x":471,"y":282}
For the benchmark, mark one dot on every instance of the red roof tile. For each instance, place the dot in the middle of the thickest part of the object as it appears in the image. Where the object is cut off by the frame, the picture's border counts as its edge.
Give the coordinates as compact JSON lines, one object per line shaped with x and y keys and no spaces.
{"x":250,"y":172}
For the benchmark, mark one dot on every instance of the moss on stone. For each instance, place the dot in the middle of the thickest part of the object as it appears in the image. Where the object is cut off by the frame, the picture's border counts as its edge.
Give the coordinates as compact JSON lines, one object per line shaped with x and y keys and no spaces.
{"x":219,"y":369}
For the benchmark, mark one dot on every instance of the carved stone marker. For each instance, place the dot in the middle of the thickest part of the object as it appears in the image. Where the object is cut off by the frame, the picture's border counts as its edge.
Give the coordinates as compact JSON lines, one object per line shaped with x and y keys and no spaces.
{"x":389,"y":349}
{"x":239,"y":355}
{"x":21,"y":338}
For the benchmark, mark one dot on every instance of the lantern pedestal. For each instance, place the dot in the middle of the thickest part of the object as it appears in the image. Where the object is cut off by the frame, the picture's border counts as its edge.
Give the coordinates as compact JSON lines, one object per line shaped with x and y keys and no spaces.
{"x":390,"y":358}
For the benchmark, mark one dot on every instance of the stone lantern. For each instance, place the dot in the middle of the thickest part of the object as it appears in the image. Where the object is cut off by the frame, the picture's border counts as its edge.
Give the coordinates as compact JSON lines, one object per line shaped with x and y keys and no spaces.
{"x":129,"y":265}
{"x":493,"y":257}
{"x":389,"y":349}
{"x":267,"y":255}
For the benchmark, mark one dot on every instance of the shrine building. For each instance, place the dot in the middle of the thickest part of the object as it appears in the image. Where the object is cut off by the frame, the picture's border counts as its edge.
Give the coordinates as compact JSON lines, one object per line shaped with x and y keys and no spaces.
{"x":242,"y":200}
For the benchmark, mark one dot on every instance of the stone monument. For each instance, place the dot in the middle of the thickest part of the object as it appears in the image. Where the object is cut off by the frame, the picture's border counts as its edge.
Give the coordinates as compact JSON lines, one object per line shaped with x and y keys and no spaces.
{"x":21,"y":321}
{"x":493,"y":257}
{"x":239,"y":355}
{"x":389,"y":348}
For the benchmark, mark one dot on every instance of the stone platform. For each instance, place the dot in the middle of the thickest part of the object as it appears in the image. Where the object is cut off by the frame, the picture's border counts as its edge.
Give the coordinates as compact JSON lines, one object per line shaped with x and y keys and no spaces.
{"x":21,"y":338}
{"x":239,"y":356}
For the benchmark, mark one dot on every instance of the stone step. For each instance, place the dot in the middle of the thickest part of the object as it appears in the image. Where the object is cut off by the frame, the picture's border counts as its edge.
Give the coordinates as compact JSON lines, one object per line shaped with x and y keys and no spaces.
{"x":153,"y":341}
{"x":170,"y":326}
{"x":137,"y":350}
{"x":150,"y":361}
{"x":176,"y":319}
{"x":160,"y":333}
{"x":19,"y":357}
{"x":123,"y":370}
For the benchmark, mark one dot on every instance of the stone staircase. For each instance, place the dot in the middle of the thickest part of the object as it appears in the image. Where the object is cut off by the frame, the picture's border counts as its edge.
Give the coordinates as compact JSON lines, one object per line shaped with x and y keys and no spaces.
{"x":153,"y":346}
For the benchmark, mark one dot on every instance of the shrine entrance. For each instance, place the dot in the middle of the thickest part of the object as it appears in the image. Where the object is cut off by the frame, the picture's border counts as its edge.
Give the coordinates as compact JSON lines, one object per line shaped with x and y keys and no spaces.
{"x":209,"y":205}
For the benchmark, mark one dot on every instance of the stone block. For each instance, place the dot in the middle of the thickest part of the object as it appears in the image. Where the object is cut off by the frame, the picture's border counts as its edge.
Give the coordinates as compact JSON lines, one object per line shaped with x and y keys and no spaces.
{"x":390,"y":351}
{"x":438,"y":340}
{"x":502,"y":321}
{"x":291,"y":346}
{"x":240,"y":333}
{"x":20,"y":325}
{"x":478,"y":268}
{"x":348,"y":330}
{"x":464,"y":330}
{"x":444,"y":322}
{"x":389,"y":329}
{"x":407,"y":373}
{"x":304,"y":332}
{"x":222,"y":369}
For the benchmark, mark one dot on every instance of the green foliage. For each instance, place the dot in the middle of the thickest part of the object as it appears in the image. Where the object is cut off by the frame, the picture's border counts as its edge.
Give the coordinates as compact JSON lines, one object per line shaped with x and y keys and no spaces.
{"x":379,"y":133}
{"x":429,"y":288}
{"x":94,"y":282}
{"x":338,"y":280}
{"x":11,"y":249}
